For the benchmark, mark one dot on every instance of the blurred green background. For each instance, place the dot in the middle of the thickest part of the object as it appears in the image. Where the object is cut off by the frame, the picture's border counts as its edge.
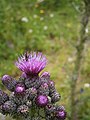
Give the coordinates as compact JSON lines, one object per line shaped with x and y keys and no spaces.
{"x":51,"y":27}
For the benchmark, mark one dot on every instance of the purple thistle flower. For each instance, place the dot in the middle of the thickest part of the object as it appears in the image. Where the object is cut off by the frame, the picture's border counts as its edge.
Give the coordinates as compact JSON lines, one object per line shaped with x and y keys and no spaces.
{"x":31,"y":92}
{"x":42,"y":100}
{"x":31,"y":63}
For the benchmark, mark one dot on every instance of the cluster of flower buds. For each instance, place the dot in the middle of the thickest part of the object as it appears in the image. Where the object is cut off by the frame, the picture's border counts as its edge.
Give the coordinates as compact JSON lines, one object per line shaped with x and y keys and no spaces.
{"x":33,"y":96}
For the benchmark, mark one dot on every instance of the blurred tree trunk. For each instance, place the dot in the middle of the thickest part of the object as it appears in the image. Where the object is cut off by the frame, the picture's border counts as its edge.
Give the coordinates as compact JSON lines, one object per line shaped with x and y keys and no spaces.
{"x":80,"y":48}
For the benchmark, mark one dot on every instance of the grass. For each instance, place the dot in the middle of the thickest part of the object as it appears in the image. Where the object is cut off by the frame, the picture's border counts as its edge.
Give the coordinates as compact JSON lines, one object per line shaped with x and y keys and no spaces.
{"x":55,"y":36}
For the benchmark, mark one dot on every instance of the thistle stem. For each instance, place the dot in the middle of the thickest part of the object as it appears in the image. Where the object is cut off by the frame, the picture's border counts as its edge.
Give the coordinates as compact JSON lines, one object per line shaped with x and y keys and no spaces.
{"x":79,"y":57}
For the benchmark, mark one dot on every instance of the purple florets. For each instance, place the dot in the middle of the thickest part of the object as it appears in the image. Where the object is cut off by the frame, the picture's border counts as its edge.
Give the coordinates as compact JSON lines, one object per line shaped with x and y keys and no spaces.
{"x":31,"y":63}
{"x":19,"y":89}
{"x":60,"y":114}
{"x":42,"y":100}
{"x":31,"y":93}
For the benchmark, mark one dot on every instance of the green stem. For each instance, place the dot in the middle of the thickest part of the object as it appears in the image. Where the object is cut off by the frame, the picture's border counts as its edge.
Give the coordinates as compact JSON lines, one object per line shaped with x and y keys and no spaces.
{"x":79,"y":57}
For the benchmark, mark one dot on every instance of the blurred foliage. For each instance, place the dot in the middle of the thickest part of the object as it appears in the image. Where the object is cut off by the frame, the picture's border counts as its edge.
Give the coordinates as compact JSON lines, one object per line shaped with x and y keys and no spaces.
{"x":49,"y":26}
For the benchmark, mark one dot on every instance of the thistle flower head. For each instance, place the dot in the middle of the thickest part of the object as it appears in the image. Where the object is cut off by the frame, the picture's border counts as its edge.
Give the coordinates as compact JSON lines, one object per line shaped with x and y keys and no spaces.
{"x":31,"y":91}
{"x":31,"y":63}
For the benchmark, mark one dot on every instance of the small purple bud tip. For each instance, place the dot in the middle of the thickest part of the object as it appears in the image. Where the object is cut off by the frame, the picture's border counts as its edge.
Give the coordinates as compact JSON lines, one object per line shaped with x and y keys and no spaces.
{"x":42,"y":100}
{"x":6,"y":78}
{"x":33,"y":89}
{"x":61,"y":114}
{"x":45,"y":74}
{"x":5,"y":107}
{"x":23,"y":75}
{"x":49,"y":106}
{"x":20,"y":89}
{"x":51,"y":83}
{"x":45,"y":85}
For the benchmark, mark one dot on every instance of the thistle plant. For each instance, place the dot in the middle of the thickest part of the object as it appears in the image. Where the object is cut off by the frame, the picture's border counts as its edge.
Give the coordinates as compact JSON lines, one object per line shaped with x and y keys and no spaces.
{"x":33,"y":96}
